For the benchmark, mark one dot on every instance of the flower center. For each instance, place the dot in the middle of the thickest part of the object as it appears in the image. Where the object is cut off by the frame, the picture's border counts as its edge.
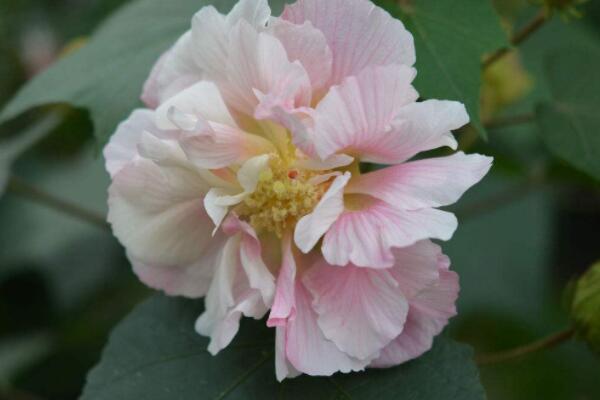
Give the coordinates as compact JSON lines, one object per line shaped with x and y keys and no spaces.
{"x":283,"y":196}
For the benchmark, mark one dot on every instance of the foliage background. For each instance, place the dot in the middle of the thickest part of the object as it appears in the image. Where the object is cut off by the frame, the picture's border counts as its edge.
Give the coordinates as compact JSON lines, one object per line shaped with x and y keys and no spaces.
{"x":529,"y":228}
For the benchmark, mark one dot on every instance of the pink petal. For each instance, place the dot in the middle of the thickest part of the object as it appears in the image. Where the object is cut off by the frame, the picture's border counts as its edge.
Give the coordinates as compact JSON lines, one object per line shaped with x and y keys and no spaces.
{"x":357,"y":116}
{"x":306,"y":44}
{"x":122,"y":149}
{"x":427,"y":125}
{"x":432,"y":182}
{"x":361,"y":310}
{"x":157,"y":213}
{"x":259,"y":75}
{"x":307,"y":349}
{"x":175,"y":70}
{"x":359,"y":34}
{"x":283,"y":305}
{"x":259,"y":276}
{"x":429,"y":313}
{"x":242,"y":285}
{"x":311,"y":227}
{"x":191,"y":280}
{"x":365,"y":237}
{"x":200,"y":102}
{"x":210,"y":33}
{"x":417,"y":267}
{"x":283,"y":368}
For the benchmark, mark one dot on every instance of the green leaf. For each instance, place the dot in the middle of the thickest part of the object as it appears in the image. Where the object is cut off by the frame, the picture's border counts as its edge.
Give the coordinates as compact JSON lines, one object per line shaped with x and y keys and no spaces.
{"x":107,"y":75}
{"x":451,"y":38}
{"x":156,"y":354}
{"x":13,"y":147}
{"x":570,"y":122}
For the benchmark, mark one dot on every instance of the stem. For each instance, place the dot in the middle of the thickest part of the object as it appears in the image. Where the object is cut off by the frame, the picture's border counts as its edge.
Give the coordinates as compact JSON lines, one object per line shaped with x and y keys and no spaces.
{"x":510,"y":121}
{"x":519,"y":37}
{"x":37,"y":195}
{"x":518,"y":352}
{"x":501,"y":198}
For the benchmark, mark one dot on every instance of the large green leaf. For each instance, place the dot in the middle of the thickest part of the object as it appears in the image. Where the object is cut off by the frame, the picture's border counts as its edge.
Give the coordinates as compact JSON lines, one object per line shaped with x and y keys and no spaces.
{"x":570,"y":123}
{"x":451,"y":38}
{"x":155,"y":354}
{"x":106,"y":76}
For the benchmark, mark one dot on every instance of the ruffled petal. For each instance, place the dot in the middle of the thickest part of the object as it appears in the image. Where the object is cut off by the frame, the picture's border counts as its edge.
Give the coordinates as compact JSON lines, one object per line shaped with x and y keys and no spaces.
{"x":366,"y":237}
{"x":200,"y":103}
{"x":122,"y":149}
{"x":260,"y":77}
{"x":283,"y":305}
{"x":307,"y":45}
{"x":431,"y":182}
{"x":361,"y":310}
{"x":311,"y":227}
{"x":242,"y":285}
{"x":357,"y":116}
{"x":189,"y":280}
{"x":175,"y":70}
{"x":428,"y":125}
{"x":211,"y":29}
{"x":157,"y":213}
{"x":307,"y":349}
{"x":359,"y":34}
{"x":428,"y":314}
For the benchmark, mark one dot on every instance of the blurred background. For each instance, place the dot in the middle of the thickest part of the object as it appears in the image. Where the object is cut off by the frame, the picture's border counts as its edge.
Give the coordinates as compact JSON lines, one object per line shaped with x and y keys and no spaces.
{"x":529,"y":228}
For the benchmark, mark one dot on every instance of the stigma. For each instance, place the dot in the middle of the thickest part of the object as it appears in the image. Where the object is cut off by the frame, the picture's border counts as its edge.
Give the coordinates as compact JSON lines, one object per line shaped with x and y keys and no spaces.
{"x":283,"y":195}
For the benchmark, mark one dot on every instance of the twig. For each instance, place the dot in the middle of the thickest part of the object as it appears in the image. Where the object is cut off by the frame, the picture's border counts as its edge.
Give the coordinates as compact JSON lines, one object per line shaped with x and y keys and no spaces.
{"x":37,"y":195}
{"x":519,"y":37}
{"x":501,"y":198}
{"x":509,"y":121}
{"x":518,"y":352}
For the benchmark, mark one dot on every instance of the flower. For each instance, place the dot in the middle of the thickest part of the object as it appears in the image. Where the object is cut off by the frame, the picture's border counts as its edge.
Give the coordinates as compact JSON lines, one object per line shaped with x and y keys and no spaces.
{"x":241,"y":182}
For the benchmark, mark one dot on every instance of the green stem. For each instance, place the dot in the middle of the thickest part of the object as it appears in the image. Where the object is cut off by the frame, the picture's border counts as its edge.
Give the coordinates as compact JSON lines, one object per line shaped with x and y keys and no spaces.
{"x":531,"y":27}
{"x":518,"y":352}
{"x":39,"y":196}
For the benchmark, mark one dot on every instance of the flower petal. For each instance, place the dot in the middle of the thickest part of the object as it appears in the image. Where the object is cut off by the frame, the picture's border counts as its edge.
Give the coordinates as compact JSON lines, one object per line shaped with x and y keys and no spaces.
{"x":283,"y":305}
{"x":122,"y":148}
{"x":189,"y":280}
{"x":432,"y":182}
{"x":201,"y":101}
{"x":157,"y":213}
{"x":311,"y":227}
{"x":356,"y":117}
{"x":307,"y":349}
{"x":429,"y":313}
{"x":365,"y":237}
{"x":359,"y":34}
{"x":428,"y":125}
{"x":175,"y":70}
{"x":259,"y":75}
{"x":361,"y":310}
{"x":259,"y":276}
{"x":306,"y":44}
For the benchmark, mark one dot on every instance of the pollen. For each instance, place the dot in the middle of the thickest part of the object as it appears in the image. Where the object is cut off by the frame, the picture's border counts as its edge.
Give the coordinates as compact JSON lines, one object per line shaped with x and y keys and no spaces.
{"x":281,"y":198}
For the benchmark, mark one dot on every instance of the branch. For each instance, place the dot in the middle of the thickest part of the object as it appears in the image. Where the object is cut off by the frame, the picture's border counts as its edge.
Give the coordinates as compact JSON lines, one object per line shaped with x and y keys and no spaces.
{"x":501,"y":198}
{"x":532,"y":26}
{"x":518,"y":352}
{"x":512,"y":120}
{"x":37,"y":195}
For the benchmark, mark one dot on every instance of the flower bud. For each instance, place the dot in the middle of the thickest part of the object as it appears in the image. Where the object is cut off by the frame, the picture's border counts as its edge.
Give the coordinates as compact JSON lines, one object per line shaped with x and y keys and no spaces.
{"x":585,"y":307}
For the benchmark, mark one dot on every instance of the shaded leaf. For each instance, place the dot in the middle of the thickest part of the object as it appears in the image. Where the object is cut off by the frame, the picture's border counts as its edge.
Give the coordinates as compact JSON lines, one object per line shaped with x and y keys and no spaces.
{"x":11,"y":148}
{"x":155,"y":354}
{"x":570,"y":122}
{"x":451,"y":38}
{"x":107,"y":75}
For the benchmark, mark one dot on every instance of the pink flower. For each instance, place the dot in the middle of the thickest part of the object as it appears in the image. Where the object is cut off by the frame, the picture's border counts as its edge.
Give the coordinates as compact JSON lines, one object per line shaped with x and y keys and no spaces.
{"x":241,"y":183}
